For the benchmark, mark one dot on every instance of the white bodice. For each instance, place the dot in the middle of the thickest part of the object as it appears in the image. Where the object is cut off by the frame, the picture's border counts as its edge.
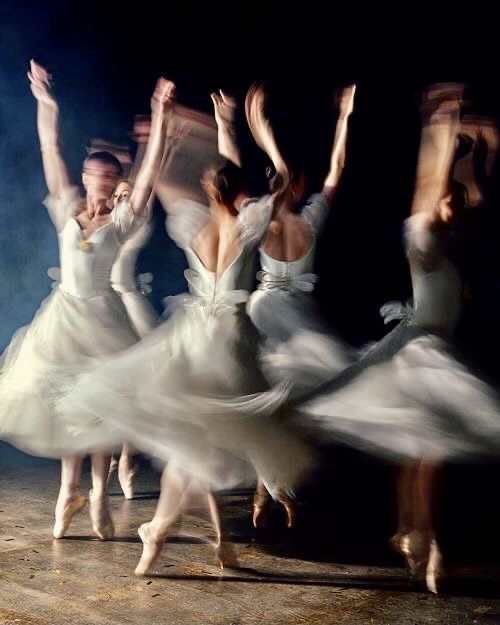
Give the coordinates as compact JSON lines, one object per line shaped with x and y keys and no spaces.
{"x":238,"y":275}
{"x":86,"y":263}
{"x":282,"y":274}
{"x":236,"y":281}
{"x":437,"y":293}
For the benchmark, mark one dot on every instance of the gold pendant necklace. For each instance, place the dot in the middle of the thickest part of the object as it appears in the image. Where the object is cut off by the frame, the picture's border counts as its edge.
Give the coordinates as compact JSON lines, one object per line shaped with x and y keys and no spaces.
{"x":85,"y":245}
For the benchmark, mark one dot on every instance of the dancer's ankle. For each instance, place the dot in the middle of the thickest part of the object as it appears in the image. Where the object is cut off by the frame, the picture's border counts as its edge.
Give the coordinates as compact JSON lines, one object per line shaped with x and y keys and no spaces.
{"x":98,"y":492}
{"x":68,"y":490}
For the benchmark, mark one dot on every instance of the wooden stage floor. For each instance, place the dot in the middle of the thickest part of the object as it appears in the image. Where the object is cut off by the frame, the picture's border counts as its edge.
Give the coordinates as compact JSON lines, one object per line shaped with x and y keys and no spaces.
{"x":320,"y":573}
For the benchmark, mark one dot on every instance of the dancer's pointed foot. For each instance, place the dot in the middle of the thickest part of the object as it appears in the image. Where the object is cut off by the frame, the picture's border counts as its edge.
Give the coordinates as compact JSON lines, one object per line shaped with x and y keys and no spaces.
{"x":414,"y":547}
{"x":66,"y":508}
{"x":225,"y":555}
{"x":434,"y":570}
{"x":290,"y":511}
{"x":289,"y":506}
{"x":102,"y":522}
{"x":126,"y":474}
{"x":151,"y":549}
{"x":262,"y":502}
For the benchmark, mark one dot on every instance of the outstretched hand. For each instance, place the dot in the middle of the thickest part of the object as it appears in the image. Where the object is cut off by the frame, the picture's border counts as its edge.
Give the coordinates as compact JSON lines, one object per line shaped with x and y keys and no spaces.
{"x":40,"y":83}
{"x":163,"y":98}
{"x":224,"y":108}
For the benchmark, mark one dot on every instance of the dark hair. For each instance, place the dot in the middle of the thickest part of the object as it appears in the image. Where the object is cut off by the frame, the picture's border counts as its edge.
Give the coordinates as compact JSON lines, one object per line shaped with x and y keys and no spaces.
{"x":226,"y":180}
{"x":274,"y":179}
{"x":459,"y":194}
{"x":105,"y":157}
{"x":464,"y":145}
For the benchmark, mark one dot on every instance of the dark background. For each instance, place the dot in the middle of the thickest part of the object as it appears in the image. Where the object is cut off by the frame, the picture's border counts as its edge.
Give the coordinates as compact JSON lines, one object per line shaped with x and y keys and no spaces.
{"x":105,"y":59}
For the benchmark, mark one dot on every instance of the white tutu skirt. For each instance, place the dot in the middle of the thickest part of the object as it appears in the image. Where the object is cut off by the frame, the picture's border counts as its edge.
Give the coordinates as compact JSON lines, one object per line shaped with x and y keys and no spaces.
{"x":299,"y":347}
{"x":409,"y":397}
{"x":67,"y":336}
{"x":191,"y":391}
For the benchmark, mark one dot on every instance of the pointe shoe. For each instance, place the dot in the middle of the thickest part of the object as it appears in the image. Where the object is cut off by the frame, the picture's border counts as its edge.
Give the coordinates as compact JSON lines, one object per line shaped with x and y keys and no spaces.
{"x":288,"y":504}
{"x":414,"y":547}
{"x":260,"y":517}
{"x":126,"y":478}
{"x":102,"y":523}
{"x":434,"y":570}
{"x":261,"y":508}
{"x":151,"y":549}
{"x":225,"y":556}
{"x":396,"y":541}
{"x":61,"y":525}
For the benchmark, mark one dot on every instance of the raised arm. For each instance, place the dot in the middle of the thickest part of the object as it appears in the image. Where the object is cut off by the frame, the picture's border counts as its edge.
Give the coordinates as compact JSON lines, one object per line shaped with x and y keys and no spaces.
{"x":262,"y":131}
{"x":56,"y":173}
{"x":224,"y":111}
{"x":162,"y":104}
{"x":337,"y":160}
{"x":441,"y":106}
